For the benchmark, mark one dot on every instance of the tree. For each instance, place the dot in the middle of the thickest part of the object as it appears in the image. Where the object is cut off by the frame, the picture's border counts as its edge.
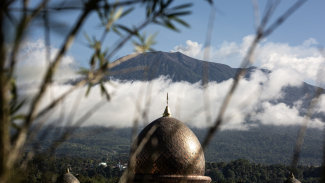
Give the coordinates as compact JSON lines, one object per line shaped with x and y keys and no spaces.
{"x":216,"y":175}
{"x":160,"y":12}
{"x":229,"y":174}
{"x":108,"y":170}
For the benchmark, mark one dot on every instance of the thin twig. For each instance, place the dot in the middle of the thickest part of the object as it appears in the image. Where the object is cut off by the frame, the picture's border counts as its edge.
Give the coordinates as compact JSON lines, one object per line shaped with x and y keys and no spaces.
{"x":249,"y":59}
{"x":303,"y":128}
{"x":205,"y":67}
{"x":78,"y":123}
{"x":19,"y":138}
{"x":117,"y":4}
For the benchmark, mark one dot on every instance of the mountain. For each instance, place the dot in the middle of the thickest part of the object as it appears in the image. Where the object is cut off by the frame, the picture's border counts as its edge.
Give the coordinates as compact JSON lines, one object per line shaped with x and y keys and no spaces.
{"x":263,"y":144}
{"x":179,"y":67}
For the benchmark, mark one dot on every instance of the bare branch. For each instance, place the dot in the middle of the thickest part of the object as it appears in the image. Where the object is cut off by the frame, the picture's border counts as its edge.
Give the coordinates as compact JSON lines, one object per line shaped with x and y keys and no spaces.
{"x":19,"y":139}
{"x":282,"y":18}
{"x":78,"y":123}
{"x":257,"y":15}
{"x":205,"y":66}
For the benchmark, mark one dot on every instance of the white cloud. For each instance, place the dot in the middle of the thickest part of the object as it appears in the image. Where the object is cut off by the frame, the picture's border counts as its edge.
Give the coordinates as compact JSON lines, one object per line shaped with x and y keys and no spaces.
{"x":32,"y":63}
{"x":186,"y":99}
{"x":193,"y":49}
{"x":185,"y":103}
{"x":304,"y":59}
{"x":281,"y":114}
{"x":278,"y":79}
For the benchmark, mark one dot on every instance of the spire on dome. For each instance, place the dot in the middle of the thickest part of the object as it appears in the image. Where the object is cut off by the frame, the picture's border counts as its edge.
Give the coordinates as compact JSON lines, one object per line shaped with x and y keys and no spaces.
{"x":167,"y":112}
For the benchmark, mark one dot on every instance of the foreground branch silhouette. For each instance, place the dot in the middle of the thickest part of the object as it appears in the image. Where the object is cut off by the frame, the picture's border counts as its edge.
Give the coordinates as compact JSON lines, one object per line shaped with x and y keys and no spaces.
{"x":160,"y":12}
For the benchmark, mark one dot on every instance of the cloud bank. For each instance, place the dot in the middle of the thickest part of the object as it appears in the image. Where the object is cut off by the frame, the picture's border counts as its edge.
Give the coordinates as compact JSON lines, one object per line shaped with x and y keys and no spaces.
{"x":186,"y":103}
{"x":251,"y":98}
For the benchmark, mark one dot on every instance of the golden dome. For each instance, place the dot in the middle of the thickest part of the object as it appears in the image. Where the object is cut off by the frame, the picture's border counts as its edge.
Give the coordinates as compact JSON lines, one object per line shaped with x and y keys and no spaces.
{"x":67,"y":177}
{"x":172,"y":149}
{"x":292,"y":179}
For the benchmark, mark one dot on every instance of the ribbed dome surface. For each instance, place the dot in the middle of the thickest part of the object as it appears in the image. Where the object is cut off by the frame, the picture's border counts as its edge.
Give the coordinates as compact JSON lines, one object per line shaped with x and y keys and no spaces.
{"x":173,"y":149}
{"x":67,"y":178}
{"x":292,"y":180}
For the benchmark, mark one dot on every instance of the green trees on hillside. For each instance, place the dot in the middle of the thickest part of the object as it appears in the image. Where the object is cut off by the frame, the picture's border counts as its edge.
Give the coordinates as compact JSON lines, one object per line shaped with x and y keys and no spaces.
{"x":255,"y":173}
{"x":44,"y":169}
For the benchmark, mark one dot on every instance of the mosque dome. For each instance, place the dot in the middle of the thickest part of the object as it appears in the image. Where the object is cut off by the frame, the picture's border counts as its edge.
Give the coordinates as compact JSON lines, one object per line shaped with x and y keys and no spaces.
{"x":292,"y":179}
{"x":168,"y":152}
{"x":67,"y":178}
{"x":172,"y":149}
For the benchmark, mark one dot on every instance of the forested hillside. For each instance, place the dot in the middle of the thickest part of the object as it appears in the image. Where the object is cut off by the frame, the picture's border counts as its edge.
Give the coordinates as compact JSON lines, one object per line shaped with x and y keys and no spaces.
{"x":264,"y":144}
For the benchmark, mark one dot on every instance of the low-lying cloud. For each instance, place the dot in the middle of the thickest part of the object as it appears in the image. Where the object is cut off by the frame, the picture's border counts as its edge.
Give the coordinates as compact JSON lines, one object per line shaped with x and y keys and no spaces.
{"x":185,"y":102}
{"x":250,"y":101}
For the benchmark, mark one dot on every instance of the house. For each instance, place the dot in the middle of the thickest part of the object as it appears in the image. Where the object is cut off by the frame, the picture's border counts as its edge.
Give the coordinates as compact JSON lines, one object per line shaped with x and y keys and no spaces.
{"x":102,"y":163}
{"x":122,"y":165}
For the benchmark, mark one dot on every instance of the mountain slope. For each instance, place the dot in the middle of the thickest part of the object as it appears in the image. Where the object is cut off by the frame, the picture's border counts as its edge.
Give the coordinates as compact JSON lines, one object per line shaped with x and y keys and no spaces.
{"x":265,"y":144}
{"x":179,"y":67}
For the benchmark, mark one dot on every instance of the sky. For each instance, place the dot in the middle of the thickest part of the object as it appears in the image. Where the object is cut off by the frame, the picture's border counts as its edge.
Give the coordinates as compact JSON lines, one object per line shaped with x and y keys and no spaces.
{"x":234,"y":20}
{"x":290,"y":52}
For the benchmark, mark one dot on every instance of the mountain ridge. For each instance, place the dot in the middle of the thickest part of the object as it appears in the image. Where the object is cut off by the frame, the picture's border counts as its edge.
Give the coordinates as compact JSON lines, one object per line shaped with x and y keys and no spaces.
{"x":179,"y":67}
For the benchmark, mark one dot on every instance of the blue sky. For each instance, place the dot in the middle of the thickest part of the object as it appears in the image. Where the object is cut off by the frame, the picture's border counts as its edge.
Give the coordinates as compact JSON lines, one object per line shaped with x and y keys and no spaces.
{"x":233,"y":22}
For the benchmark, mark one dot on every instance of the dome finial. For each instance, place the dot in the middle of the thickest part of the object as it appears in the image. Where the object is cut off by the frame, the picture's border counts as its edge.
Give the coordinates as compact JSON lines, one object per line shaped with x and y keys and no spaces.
{"x":167,"y":112}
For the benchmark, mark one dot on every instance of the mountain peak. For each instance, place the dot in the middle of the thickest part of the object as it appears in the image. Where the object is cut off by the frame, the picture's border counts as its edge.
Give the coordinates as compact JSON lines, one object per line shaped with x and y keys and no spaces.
{"x":175,"y":65}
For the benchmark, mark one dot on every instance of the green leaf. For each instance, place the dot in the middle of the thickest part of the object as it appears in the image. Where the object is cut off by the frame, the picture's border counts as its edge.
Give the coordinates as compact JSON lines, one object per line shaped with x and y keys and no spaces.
{"x":117,"y":31}
{"x":157,"y":22}
{"x":88,"y":38}
{"x":83,"y":71}
{"x":118,"y":14}
{"x":154,"y":6}
{"x":13,"y":89}
{"x":168,"y":3}
{"x":150,"y":41}
{"x":15,"y":108}
{"x":14,"y":125}
{"x":180,"y":13}
{"x":101,"y":16}
{"x":104,"y":91}
{"x":19,"y":116}
{"x":169,"y":25}
{"x":210,"y":1}
{"x":127,"y":12}
{"x":125,"y":28}
{"x":181,"y":22}
{"x":182,"y":6}
{"x":88,"y":89}
{"x":152,"y":50}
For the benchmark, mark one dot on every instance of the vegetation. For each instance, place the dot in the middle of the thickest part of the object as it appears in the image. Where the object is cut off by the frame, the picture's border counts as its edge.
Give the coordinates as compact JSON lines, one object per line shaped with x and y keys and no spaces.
{"x":17,"y":21}
{"x":45,"y":169}
{"x":265,"y":144}
{"x":17,"y":18}
{"x":241,"y":169}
